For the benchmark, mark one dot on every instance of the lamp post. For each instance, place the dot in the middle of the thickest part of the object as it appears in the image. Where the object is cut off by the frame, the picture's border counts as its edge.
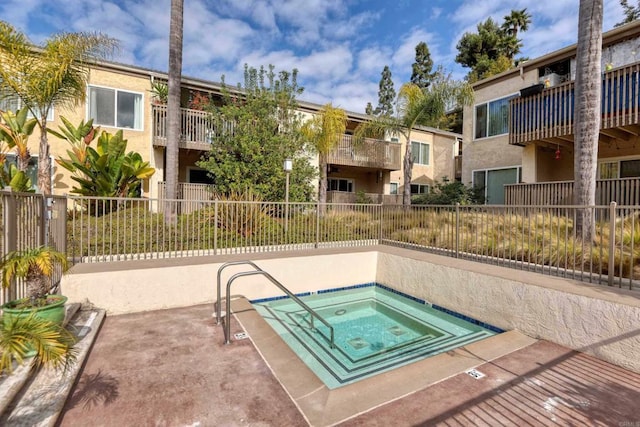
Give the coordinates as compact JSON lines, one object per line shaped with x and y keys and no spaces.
{"x":288,"y":166}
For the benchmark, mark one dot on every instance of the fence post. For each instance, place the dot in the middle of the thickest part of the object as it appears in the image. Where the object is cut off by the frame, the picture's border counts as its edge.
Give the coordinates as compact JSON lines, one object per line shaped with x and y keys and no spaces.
{"x":318,"y":225}
{"x":381,"y":228}
{"x":457,"y":229}
{"x":47,"y":215}
{"x":612,"y":242}
{"x":10,"y":214}
{"x":215,"y":227}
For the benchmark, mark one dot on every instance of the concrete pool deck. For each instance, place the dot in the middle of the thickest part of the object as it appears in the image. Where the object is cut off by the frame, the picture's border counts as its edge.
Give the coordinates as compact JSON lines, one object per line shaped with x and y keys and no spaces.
{"x":170,"y":367}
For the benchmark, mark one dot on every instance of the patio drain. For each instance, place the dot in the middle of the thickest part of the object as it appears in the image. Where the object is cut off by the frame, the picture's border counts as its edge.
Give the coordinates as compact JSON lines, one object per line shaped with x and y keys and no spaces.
{"x":241,"y":336}
{"x":475,"y":374}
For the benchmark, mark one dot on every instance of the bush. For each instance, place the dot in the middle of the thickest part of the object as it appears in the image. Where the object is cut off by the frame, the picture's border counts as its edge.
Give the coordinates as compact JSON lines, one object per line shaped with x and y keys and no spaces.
{"x":449,"y":193}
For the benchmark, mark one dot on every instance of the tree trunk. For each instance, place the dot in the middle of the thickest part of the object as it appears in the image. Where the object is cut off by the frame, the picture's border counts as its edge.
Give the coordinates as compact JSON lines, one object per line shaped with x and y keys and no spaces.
{"x":322,"y":193}
{"x":407,"y":165}
{"x":44,"y":161}
{"x":173,"y":110}
{"x":588,"y":93}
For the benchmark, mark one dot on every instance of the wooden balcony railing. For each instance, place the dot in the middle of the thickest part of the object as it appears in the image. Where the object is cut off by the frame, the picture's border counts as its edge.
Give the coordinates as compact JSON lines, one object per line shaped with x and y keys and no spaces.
{"x":371,"y":153}
{"x":197,"y":131}
{"x":625,"y":191}
{"x":549,"y":114}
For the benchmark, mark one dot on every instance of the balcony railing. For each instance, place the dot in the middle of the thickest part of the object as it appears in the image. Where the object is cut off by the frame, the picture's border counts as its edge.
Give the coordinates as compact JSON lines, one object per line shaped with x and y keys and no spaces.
{"x":549,"y":114}
{"x":196,"y":130}
{"x":371,"y":153}
{"x":197,"y":133}
{"x":194,"y":193}
{"x":625,"y":191}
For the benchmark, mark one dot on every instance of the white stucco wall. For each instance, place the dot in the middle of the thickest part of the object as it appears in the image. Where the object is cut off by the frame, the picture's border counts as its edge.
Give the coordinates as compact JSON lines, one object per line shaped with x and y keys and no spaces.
{"x":598,"y":320}
{"x":135,"y":286}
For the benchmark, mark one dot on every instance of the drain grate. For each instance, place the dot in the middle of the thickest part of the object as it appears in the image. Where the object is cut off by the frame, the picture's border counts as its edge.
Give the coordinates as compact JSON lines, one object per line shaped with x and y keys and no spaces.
{"x":475,"y":374}
{"x":241,"y":336}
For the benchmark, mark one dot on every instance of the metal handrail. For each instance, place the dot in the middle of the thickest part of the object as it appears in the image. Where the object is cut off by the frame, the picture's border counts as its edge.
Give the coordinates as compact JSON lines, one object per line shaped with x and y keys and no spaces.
{"x":222,"y":267}
{"x":227,"y":326}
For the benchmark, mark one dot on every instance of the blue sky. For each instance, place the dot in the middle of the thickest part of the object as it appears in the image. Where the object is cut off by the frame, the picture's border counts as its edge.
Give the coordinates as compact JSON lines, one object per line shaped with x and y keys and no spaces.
{"x":338,"y":46}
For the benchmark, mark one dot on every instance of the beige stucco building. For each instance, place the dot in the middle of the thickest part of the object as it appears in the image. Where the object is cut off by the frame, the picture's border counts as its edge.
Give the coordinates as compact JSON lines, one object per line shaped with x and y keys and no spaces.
{"x":520,"y":128}
{"x":119,"y":97}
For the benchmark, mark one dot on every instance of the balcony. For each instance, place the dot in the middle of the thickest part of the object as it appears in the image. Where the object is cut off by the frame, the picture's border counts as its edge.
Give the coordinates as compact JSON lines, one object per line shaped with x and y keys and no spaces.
{"x":625,"y":192}
{"x":548,"y":116}
{"x":371,"y":153}
{"x":196,"y":130}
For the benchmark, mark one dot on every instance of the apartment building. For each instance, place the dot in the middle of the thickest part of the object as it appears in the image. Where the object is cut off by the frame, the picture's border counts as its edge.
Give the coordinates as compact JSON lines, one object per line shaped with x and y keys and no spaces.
{"x":119,"y":97}
{"x":519,"y":137}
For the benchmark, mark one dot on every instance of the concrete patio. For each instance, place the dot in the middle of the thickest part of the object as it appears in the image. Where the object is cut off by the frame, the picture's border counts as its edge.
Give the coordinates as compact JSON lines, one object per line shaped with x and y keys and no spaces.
{"x":171,"y":368}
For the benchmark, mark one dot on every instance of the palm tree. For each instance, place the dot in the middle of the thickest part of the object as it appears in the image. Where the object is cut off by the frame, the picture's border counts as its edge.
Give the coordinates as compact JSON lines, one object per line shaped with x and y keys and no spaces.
{"x":173,"y":107}
{"x":587,"y":115}
{"x":518,"y":20}
{"x":35,"y":266}
{"x":417,"y":107}
{"x":55,"y":73}
{"x":324,"y":132}
{"x":22,"y":336}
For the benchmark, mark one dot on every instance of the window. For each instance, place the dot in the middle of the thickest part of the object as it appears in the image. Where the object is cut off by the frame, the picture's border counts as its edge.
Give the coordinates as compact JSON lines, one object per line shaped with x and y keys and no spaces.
{"x":491,"y":182}
{"x":420,"y":152}
{"x":492,"y":118}
{"x":32,"y":169}
{"x":341,"y":184}
{"x":419,"y":189}
{"x":619,"y":169}
{"x":117,"y":108}
{"x":393,"y":188}
{"x":13,"y":103}
{"x":199,"y":176}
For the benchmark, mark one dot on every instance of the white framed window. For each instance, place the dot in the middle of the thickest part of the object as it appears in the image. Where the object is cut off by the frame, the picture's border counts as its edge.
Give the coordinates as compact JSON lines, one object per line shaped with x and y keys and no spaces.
{"x":619,"y":168}
{"x":420,"y":152}
{"x":13,"y":103}
{"x":114,"y":107}
{"x":419,"y":189}
{"x":492,"y":118}
{"x":393,"y":187}
{"x":340,"y":184}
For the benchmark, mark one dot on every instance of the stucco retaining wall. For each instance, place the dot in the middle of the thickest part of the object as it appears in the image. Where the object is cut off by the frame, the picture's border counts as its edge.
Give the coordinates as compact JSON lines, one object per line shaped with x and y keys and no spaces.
{"x":598,"y":320}
{"x":135,"y":286}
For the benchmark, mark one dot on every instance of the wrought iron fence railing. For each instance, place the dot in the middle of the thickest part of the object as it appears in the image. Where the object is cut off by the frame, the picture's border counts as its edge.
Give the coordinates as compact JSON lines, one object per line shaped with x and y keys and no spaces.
{"x":540,"y":239}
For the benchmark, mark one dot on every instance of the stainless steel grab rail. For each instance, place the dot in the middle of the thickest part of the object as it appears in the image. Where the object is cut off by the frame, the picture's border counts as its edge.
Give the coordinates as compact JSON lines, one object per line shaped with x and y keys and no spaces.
{"x":259,"y":271}
{"x":222,"y":267}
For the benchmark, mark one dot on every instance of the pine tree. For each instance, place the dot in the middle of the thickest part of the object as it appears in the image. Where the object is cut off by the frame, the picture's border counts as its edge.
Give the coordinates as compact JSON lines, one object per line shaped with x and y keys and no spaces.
{"x":421,"y":75}
{"x":369,"y":109}
{"x":386,"y":94}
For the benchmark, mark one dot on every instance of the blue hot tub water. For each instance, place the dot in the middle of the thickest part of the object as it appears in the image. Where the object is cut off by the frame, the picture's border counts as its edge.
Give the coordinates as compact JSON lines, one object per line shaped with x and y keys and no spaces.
{"x":375,"y":330}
